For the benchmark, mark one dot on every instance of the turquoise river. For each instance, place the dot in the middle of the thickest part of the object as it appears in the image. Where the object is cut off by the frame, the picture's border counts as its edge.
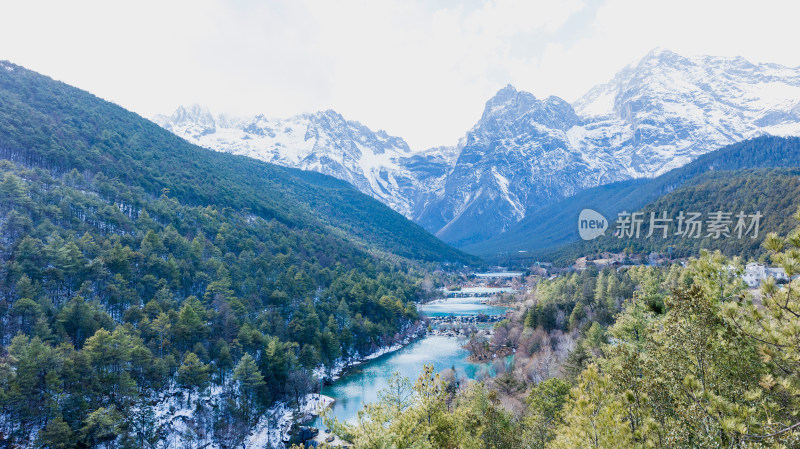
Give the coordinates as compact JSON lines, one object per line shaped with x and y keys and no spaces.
{"x":361,"y":384}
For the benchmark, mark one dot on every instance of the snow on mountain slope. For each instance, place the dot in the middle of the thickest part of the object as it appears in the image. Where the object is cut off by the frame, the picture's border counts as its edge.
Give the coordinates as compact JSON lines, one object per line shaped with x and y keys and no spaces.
{"x":655,"y":115}
{"x":517,"y":156}
{"x":323,"y":142}
{"x":525,"y":153}
{"x":665,"y":110}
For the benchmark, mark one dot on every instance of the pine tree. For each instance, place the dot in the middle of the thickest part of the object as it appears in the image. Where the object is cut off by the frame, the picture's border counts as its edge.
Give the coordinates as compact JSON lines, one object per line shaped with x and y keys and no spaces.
{"x":249,"y":379}
{"x":545,"y":410}
{"x":101,"y":426}
{"x":193,"y":374}
{"x":774,"y":326}
{"x":56,"y":435}
{"x":12,"y":192}
{"x":594,"y":417}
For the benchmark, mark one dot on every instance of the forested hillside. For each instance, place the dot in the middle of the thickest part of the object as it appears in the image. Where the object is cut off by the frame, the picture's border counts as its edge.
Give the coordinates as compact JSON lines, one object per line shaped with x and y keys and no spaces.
{"x":545,"y":230}
{"x":775,"y":193}
{"x":49,"y":124}
{"x":133,"y":264}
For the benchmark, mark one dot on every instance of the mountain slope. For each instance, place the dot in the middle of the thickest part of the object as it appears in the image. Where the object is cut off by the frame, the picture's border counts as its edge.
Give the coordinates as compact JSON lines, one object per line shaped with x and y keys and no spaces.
{"x":323,"y":142}
{"x":557,"y":224}
{"x":516,"y":158}
{"x":525,"y":154}
{"x":667,"y":109}
{"x":655,"y":115}
{"x":152,"y":290}
{"x":39,"y":127}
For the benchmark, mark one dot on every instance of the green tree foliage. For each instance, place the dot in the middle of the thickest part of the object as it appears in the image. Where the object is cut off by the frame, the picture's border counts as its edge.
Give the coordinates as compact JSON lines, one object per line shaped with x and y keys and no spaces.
{"x":594,"y":418}
{"x":775,"y":193}
{"x":248,"y":376}
{"x":112,"y":295}
{"x":692,"y":360}
{"x":545,"y":405}
{"x":431,"y":417}
{"x":124,"y":249}
{"x":773,"y":326}
{"x":56,"y":435}
{"x":568,"y":302}
{"x":687,"y":378}
{"x":62,"y":129}
{"x":193,"y":373}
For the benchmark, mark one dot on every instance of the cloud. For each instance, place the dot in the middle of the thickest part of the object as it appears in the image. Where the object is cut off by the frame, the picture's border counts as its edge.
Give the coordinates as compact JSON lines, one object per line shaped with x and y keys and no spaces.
{"x":623,"y":31}
{"x":425,"y":73}
{"x":419,"y":69}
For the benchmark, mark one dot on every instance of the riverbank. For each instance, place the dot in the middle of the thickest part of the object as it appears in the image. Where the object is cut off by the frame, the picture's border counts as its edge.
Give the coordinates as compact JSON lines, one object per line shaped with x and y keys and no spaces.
{"x":363,"y":385}
{"x":181,"y":414}
{"x":340,"y":369}
{"x":275,"y":426}
{"x":341,"y":366}
{"x":438,"y":339}
{"x":176,"y":410}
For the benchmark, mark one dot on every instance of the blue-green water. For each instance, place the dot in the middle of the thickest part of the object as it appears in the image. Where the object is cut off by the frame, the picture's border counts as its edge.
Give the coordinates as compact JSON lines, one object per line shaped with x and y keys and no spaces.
{"x":361,"y":384}
{"x":459,"y":307}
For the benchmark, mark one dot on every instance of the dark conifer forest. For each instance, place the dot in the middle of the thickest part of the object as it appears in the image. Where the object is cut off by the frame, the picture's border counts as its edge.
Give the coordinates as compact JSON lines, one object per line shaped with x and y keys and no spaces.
{"x":132,"y":263}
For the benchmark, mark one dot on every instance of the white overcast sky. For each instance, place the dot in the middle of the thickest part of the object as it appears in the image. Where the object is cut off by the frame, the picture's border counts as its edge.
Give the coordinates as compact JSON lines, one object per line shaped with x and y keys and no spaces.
{"x":418,"y":69}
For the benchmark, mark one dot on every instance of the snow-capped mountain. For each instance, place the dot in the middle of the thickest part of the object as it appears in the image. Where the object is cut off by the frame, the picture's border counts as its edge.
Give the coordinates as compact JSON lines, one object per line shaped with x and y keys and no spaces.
{"x":516,"y":157}
{"x":655,"y":115}
{"x":323,"y":142}
{"x":665,"y":110}
{"x":525,"y":153}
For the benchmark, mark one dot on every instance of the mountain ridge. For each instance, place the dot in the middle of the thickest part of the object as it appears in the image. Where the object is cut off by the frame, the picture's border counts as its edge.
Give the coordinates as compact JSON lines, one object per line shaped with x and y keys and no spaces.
{"x":773,"y":193}
{"x":121,"y":144}
{"x":556,"y":225}
{"x":525,"y":153}
{"x":323,"y":141}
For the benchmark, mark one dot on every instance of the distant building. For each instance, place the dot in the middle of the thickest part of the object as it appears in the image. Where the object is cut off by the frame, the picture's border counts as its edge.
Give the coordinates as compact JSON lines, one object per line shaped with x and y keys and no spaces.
{"x":755,"y":273}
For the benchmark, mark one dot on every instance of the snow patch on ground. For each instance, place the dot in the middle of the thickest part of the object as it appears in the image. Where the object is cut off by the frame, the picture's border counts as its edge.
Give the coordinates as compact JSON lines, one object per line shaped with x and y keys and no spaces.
{"x":274,"y":426}
{"x":601,"y":105}
{"x":175,"y":413}
{"x":503,"y":183}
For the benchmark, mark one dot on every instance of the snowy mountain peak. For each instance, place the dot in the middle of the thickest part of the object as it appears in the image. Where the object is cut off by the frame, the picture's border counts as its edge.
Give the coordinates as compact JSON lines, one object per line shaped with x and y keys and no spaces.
{"x":503,"y":95}
{"x":194,"y":113}
{"x":655,"y":114}
{"x":660,"y":53}
{"x":508,"y":99}
{"x":663,"y":75}
{"x":193,"y":120}
{"x":331,"y":116}
{"x":510,"y":105}
{"x":667,"y":109}
{"x":323,"y":141}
